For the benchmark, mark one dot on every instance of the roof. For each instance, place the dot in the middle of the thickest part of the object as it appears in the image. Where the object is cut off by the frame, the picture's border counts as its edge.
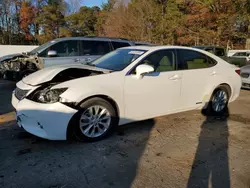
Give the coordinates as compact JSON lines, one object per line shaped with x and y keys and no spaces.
{"x":155,"y":48}
{"x":159,"y":47}
{"x":207,"y":46}
{"x":92,"y":38}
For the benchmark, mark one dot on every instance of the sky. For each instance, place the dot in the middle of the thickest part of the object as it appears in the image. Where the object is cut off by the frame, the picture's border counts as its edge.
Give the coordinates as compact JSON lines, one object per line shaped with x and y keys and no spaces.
{"x":91,"y":3}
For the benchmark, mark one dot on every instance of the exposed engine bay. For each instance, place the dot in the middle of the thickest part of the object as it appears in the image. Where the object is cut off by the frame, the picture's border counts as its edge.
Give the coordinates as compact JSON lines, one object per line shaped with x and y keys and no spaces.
{"x":15,"y":68}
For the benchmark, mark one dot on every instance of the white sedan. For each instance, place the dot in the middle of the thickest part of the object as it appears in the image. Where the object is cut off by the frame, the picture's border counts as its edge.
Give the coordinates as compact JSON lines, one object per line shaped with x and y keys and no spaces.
{"x":127,"y":85}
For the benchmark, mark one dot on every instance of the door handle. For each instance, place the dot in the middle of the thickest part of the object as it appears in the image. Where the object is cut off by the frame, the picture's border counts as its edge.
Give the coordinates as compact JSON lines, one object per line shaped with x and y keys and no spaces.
{"x":77,"y":60}
{"x":213,"y":73}
{"x":175,"y":77}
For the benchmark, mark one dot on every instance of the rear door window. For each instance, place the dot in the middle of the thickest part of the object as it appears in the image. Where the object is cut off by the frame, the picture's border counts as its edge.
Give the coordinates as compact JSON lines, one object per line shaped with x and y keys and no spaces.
{"x":189,"y":59}
{"x":94,"y":47}
{"x":120,"y":44}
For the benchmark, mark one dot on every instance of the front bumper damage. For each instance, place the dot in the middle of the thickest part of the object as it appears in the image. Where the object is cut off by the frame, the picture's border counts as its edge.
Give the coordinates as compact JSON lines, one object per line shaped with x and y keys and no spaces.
{"x":49,"y":121}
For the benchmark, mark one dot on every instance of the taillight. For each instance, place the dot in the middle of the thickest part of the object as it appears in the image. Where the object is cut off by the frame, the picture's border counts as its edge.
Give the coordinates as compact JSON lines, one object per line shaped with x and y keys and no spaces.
{"x":237,"y":71}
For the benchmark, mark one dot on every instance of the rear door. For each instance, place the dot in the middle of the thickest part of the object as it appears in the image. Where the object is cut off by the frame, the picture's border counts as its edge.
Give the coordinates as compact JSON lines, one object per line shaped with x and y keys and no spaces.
{"x":67,"y":53}
{"x":90,"y":50}
{"x":198,"y":75}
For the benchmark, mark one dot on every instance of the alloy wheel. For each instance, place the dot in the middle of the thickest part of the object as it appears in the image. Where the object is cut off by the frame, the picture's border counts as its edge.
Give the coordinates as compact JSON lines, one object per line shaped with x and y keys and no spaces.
{"x":219,"y":101}
{"x":95,"y":121}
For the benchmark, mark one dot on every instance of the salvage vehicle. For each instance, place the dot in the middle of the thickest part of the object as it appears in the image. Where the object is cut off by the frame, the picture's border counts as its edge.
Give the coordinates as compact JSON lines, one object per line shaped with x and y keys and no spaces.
{"x":245,"y":76}
{"x":59,"y":51}
{"x":130,"y":84}
{"x":222,"y":53}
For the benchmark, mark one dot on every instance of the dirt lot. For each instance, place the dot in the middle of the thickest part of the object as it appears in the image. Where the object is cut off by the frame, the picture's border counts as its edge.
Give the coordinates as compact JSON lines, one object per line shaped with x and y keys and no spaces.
{"x":180,"y":150}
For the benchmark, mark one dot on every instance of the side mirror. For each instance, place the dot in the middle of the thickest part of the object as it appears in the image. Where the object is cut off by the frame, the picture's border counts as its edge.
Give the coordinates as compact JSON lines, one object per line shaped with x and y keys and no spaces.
{"x":52,"y":53}
{"x":143,"y":69}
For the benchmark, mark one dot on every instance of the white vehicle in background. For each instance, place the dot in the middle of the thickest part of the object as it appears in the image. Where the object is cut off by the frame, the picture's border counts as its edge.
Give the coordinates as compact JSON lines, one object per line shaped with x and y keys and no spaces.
{"x":237,"y":52}
{"x":245,"y":76}
{"x":126,"y":85}
{"x":242,"y":55}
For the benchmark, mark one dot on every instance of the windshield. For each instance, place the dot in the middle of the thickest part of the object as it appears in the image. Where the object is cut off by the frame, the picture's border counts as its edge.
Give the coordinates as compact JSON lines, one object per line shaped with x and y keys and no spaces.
{"x":119,"y":59}
{"x":41,"y":48}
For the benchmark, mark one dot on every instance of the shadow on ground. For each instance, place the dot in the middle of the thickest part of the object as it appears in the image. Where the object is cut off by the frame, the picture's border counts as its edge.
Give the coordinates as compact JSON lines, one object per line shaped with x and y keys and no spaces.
{"x":210,"y":166}
{"x":40,"y":163}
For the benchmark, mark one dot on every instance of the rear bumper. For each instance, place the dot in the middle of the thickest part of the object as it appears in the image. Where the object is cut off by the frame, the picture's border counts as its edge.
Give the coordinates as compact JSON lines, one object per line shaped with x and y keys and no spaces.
{"x":245,"y":83}
{"x":49,"y":121}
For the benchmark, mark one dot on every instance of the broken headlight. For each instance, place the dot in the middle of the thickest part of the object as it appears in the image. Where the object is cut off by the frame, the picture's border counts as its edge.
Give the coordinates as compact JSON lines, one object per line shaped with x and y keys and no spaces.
{"x":48,"y":95}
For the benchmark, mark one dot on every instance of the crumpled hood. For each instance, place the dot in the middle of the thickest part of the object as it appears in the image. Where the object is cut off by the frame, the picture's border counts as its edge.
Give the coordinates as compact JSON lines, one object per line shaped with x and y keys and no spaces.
{"x":47,"y":74}
{"x":10,"y":56}
{"x":245,"y":69}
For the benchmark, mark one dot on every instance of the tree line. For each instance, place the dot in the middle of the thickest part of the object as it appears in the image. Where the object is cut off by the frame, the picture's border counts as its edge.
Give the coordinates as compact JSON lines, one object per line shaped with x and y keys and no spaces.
{"x":172,"y":22}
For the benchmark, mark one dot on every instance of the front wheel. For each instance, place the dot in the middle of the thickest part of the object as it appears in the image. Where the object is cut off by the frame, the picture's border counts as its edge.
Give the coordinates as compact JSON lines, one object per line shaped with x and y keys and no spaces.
{"x":218,"y":102}
{"x":96,"y":120}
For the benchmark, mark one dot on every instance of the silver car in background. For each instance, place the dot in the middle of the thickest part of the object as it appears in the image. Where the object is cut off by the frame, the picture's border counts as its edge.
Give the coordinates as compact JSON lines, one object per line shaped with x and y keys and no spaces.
{"x":245,"y":76}
{"x":70,"y":50}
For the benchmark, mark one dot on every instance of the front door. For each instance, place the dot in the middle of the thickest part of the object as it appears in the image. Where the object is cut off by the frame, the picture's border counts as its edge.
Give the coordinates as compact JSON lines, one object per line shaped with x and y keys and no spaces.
{"x":67,"y":53}
{"x":154,"y":94}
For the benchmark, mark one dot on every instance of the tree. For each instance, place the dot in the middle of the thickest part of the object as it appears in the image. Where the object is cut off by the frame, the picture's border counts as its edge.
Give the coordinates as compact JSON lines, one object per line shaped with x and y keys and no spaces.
{"x":152,"y":21}
{"x":51,"y":19}
{"x":83,"y":22}
{"x":27,"y":17}
{"x":109,"y":5}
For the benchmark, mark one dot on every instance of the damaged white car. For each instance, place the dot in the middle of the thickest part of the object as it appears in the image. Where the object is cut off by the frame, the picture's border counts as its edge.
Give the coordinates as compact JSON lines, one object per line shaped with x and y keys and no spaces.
{"x":127,"y":85}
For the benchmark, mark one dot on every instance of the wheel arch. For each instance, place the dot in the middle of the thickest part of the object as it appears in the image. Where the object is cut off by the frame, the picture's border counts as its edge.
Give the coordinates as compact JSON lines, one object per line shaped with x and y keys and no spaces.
{"x":77,"y":106}
{"x":227,"y":87}
{"x":213,"y":89}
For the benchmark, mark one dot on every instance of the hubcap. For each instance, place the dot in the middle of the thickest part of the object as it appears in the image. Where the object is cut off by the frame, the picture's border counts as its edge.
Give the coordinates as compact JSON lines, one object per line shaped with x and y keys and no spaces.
{"x":219,"y":101}
{"x":95,"y":121}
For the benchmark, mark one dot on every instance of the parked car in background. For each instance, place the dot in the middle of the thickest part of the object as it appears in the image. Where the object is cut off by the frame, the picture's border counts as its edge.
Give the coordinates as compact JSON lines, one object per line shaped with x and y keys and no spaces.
{"x":60,"y":51}
{"x":234,"y":52}
{"x":245,"y":76}
{"x":222,"y":53}
{"x":242,"y":55}
{"x":216,"y":50}
{"x":129,"y":84}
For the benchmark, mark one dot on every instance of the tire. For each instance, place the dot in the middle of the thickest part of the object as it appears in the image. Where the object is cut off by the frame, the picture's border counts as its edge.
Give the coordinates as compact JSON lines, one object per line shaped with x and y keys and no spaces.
{"x":90,"y":128}
{"x":212,"y":108}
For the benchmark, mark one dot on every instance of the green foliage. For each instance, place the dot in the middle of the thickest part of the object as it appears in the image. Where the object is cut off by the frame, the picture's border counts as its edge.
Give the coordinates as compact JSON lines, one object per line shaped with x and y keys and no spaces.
{"x":83,"y":22}
{"x":51,"y":19}
{"x":181,"y":22}
{"x":109,"y":5}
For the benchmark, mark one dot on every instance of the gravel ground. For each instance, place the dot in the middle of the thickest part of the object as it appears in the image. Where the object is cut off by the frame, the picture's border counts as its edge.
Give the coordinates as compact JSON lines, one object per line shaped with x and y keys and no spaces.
{"x":180,"y":150}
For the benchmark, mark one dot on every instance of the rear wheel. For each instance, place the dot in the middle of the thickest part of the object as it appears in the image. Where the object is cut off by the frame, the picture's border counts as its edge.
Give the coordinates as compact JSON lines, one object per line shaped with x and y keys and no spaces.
{"x":219,"y":101}
{"x":96,"y":120}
